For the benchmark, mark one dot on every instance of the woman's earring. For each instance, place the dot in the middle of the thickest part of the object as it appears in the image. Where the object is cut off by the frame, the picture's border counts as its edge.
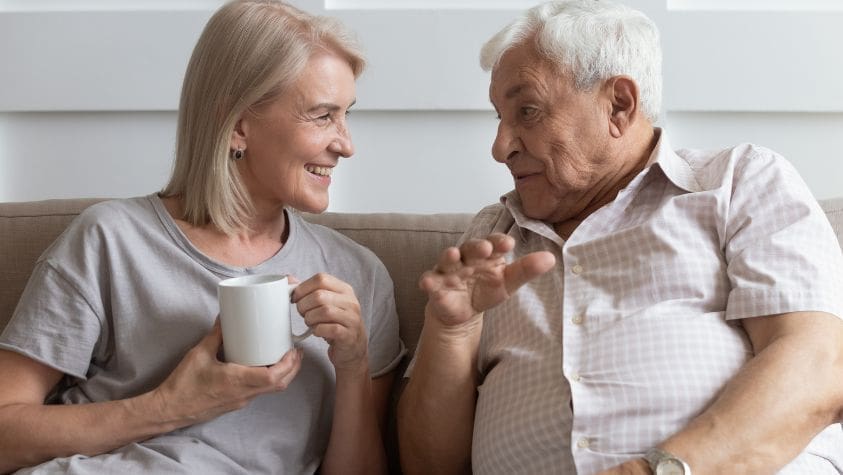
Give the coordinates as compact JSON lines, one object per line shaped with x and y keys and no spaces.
{"x":237,"y":153}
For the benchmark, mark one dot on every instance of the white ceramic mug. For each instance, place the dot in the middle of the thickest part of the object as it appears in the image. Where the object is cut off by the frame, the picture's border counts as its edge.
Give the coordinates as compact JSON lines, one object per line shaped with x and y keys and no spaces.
{"x":255,"y":319}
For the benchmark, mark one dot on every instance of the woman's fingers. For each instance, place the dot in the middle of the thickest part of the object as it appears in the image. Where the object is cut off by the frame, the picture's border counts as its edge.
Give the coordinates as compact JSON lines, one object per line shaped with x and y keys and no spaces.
{"x":211,"y":342}
{"x":331,"y":310}
{"x":283,"y":372}
{"x":321,"y":281}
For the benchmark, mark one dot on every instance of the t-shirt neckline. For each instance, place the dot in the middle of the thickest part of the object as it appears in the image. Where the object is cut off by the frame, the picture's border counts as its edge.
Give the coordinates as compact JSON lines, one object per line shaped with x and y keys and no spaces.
{"x":181,"y":240}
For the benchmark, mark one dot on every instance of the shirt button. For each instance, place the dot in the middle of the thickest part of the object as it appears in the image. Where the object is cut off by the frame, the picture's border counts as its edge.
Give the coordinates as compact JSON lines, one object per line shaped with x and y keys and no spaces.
{"x":582,"y":443}
{"x":578,"y":319}
{"x":576,"y":377}
{"x":577,"y":269}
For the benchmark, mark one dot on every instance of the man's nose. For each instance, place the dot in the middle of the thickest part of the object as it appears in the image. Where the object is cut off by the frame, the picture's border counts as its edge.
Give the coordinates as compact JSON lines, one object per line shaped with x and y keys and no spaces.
{"x":506,"y":143}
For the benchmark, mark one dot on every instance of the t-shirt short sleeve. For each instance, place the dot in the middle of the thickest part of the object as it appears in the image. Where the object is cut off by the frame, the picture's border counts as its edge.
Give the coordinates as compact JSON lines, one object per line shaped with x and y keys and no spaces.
{"x":385,"y":346}
{"x":54,"y":323}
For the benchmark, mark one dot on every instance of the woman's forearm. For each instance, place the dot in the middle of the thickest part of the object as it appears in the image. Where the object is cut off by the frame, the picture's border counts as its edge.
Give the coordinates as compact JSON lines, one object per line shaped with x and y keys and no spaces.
{"x":355,"y":445}
{"x":33,"y":434}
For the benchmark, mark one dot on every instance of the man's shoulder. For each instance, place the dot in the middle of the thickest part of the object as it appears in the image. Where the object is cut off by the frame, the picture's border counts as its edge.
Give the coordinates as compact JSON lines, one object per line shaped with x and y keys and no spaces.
{"x":492,"y":211}
{"x":492,"y":218}
{"x":728,"y":166}
{"x":702,"y":158}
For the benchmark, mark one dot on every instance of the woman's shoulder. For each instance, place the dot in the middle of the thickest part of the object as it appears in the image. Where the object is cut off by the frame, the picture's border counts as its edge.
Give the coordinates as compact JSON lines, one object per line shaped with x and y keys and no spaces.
{"x":333,"y":241}
{"x":114,"y":213}
{"x":104,"y":221}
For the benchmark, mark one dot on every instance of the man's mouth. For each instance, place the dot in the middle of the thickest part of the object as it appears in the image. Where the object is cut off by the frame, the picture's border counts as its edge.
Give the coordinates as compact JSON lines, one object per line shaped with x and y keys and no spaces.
{"x":321,"y":171}
{"x":520,"y":176}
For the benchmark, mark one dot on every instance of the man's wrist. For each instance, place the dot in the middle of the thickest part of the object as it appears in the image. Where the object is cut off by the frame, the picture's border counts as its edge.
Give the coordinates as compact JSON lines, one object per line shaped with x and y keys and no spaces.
{"x":662,"y":462}
{"x":468,"y":330}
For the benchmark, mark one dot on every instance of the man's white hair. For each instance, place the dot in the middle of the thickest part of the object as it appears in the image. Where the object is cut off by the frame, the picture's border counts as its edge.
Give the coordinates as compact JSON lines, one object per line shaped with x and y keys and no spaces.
{"x":592,"y":40}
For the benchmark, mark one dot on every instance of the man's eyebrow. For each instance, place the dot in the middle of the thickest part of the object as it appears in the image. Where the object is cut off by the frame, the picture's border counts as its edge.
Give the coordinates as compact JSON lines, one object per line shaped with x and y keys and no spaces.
{"x":513,"y":91}
{"x":509,"y":94}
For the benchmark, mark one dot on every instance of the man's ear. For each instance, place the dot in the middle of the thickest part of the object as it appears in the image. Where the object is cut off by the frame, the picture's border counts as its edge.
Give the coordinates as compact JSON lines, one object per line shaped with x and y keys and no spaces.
{"x":622,"y":92}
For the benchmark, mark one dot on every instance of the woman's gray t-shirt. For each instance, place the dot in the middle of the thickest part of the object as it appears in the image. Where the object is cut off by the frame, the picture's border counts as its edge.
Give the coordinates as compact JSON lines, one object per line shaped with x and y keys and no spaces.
{"x":122,"y":295}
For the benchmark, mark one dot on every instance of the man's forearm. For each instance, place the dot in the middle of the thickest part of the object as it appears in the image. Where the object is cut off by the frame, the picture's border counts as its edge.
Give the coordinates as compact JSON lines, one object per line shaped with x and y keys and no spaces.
{"x":770,"y":411}
{"x":436,"y":410}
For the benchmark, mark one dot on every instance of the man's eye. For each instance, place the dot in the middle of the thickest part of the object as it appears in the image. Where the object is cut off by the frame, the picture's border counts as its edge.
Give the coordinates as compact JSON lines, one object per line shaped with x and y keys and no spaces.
{"x":323,"y":118}
{"x":528,"y":112}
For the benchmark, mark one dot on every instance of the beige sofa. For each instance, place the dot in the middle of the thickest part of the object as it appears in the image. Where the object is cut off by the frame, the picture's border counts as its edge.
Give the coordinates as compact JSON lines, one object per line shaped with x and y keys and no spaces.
{"x":406,"y":243}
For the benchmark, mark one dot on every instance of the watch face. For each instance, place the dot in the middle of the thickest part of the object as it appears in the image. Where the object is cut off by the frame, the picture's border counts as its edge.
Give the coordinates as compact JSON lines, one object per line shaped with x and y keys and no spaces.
{"x":670,"y":467}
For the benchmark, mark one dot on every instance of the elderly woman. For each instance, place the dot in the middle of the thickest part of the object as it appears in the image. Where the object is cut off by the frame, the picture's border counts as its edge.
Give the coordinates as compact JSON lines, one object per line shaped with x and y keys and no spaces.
{"x":118,"y":320}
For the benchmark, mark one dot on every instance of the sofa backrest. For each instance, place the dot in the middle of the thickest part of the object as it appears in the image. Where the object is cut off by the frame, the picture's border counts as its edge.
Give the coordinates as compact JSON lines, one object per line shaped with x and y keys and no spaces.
{"x":406,"y":243}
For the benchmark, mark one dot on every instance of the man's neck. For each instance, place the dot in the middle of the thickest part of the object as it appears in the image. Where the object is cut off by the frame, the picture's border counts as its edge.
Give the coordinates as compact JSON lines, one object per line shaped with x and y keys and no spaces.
{"x":642,"y":148}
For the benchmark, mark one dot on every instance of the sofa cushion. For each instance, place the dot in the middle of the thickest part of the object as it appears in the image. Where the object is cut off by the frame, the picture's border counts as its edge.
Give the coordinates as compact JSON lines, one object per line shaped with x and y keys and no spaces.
{"x":408,"y":245}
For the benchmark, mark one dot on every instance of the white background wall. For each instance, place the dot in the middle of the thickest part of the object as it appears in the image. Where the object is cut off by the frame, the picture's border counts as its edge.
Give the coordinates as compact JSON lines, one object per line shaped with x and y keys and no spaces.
{"x":88,"y":91}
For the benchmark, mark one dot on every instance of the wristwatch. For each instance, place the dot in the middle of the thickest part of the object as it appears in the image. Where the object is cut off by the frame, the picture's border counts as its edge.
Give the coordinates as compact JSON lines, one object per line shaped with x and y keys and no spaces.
{"x":665,"y":463}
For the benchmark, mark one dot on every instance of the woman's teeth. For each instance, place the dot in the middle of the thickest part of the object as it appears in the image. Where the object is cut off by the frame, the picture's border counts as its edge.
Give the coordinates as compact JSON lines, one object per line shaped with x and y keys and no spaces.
{"x":322,"y":171}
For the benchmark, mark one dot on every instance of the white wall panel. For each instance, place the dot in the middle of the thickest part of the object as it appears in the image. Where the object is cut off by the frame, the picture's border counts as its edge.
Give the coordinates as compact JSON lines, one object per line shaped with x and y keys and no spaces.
{"x":89,"y":88}
{"x":756,"y":5}
{"x":404,"y":161}
{"x":753,"y":61}
{"x":420,"y":162}
{"x":95,"y":61}
{"x":71,"y":154}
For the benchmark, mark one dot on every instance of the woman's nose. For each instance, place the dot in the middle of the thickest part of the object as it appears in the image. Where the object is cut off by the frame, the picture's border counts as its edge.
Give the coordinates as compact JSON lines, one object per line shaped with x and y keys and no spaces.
{"x":342,"y":144}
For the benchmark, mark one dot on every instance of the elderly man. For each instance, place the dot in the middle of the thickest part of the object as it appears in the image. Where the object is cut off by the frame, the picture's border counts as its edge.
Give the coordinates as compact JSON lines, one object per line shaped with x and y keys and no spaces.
{"x":628,"y":308}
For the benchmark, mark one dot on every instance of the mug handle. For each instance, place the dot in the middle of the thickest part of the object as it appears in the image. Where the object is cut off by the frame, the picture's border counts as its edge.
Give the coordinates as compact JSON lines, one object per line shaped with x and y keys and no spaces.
{"x":309,"y":331}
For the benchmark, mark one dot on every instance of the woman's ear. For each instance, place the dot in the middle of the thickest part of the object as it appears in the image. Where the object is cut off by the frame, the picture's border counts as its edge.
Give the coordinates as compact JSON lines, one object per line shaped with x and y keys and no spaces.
{"x":623,"y":94}
{"x":238,"y":136}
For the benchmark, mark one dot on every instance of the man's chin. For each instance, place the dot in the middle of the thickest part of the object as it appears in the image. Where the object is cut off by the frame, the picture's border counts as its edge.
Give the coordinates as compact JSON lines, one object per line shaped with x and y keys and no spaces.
{"x":535,"y":210}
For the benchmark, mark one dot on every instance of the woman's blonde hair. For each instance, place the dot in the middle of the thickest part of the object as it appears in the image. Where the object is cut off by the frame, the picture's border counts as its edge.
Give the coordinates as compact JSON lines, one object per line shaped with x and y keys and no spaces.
{"x":250,"y":52}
